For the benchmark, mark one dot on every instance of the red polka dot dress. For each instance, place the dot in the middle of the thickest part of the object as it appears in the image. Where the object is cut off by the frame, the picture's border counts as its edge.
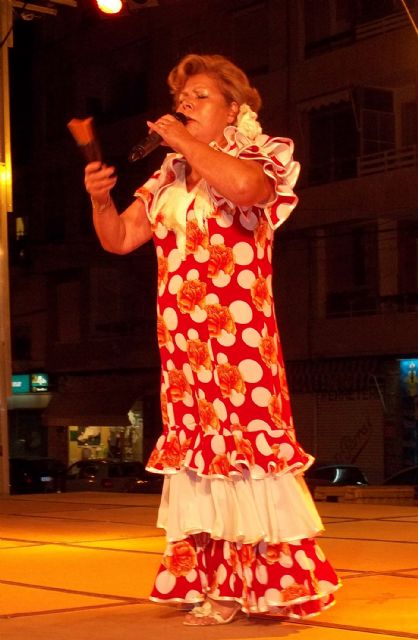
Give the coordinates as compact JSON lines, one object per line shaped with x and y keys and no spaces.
{"x":228,"y":450}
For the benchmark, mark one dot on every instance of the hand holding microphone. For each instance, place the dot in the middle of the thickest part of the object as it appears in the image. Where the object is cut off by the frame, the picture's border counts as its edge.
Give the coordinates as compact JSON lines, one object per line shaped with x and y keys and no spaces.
{"x":153,"y":140}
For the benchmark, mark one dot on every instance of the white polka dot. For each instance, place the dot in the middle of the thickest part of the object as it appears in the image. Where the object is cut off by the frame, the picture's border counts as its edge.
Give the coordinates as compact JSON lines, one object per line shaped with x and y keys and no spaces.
{"x":220,"y":409}
{"x":225,"y":220}
{"x":250,"y":370}
{"x":269,"y":286}
{"x":192,"y":334}
{"x":262,"y":445}
{"x":269,"y":252}
{"x":234,"y":418}
{"x":272,"y":596}
{"x":170,"y":318}
{"x":217,"y":238}
{"x":226,"y":339}
{"x":286,"y":451}
{"x":212,"y":298}
{"x":218,"y":444}
{"x":221,"y":358}
{"x":188,"y":373}
{"x":193,"y":274}
{"x":161,"y":231}
{"x":221,"y":574}
{"x":303,"y":561}
{"x":201,"y":255}
{"x":174,"y":284}
{"x":241,"y":312}
{"x":170,"y":413}
{"x":159,"y":251}
{"x":192,"y":596}
{"x":198,"y":314}
{"x":174,"y":260}
{"x":285,"y":561}
{"x":165,"y":582}
{"x":243,"y":253}
{"x":249,"y":220}
{"x":180,"y":341}
{"x":326,"y":586}
{"x":251,"y":337}
{"x":204,"y":375}
{"x":261,"y":573}
{"x":188,"y":400}
{"x":221,"y":280}
{"x":286,"y":581}
{"x":257,"y":425}
{"x":232,"y":582}
{"x":191,"y":576}
{"x":246,"y":279}
{"x":237,"y":399}
{"x":261,"y":396}
{"x":189,"y":420}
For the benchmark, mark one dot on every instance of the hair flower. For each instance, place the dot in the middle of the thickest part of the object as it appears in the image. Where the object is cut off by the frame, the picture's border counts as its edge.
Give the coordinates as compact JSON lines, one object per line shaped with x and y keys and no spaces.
{"x":247,"y":122}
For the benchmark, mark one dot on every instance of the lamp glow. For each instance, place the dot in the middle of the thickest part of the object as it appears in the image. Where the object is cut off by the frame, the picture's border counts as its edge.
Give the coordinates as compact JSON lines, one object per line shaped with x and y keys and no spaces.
{"x":109,"y":6}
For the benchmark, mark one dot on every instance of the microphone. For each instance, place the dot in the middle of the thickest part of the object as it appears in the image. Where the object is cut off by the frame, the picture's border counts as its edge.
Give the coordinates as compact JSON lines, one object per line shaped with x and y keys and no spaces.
{"x":151,"y":142}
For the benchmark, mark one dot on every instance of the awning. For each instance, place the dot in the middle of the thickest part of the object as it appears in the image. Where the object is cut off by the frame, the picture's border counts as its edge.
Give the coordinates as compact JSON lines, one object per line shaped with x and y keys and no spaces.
{"x":326,"y":99}
{"x":90,"y":408}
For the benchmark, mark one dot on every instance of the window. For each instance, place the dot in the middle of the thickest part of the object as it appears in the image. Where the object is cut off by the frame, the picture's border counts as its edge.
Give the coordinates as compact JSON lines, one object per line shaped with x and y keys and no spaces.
{"x":377,"y":120}
{"x":333,"y":142}
{"x":328,"y":23}
{"x":351,"y":269}
{"x":409,"y":124}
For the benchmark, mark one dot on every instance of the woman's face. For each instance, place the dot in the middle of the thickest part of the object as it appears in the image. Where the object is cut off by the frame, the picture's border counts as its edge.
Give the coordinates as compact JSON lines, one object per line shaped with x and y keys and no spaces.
{"x":206,"y":109}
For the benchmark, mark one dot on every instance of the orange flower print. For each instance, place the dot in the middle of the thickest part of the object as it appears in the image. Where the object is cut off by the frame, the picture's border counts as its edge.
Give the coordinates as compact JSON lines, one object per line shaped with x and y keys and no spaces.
{"x":154,"y":458}
{"x":164,"y":410}
{"x":198,"y":354}
{"x":294,"y":591}
{"x":221,"y":258}
{"x":236,"y":426}
{"x":247,"y":555}
{"x":274,"y":551}
{"x":159,"y":219}
{"x":284,"y":389}
{"x":267,"y":349}
{"x":163,"y":333}
{"x":220,"y":318}
{"x":195,"y":237}
{"x":245,"y":447}
{"x":191,"y":294}
{"x":260,"y":293}
{"x":280,"y":463}
{"x":260,"y":233}
{"x":220,"y":465}
{"x":182,"y":559}
{"x":162,"y":270}
{"x":230,"y":379}
{"x":233,"y":559}
{"x":207,"y":415}
{"x":170,"y":456}
{"x":179,"y":385}
{"x":275,"y":411}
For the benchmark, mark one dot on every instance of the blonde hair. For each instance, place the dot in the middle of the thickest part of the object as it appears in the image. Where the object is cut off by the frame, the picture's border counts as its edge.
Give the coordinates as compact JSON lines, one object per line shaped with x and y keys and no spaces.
{"x":233,"y":82}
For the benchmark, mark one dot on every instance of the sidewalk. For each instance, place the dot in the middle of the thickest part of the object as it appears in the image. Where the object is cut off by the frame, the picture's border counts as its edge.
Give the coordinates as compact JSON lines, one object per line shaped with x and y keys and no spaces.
{"x":79,"y":566}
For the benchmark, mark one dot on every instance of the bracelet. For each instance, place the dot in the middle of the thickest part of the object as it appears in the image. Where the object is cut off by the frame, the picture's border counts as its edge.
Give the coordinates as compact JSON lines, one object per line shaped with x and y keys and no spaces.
{"x":101,"y":207}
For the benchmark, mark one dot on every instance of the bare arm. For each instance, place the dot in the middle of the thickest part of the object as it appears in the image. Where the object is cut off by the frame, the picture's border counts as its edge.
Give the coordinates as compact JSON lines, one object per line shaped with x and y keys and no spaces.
{"x":117,"y":233}
{"x":241,"y":181}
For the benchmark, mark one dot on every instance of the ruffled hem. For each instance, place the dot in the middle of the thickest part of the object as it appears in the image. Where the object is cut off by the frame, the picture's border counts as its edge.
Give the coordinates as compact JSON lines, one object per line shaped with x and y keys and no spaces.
{"x":288,"y":580}
{"x":228,"y":455}
{"x":274,"y":509}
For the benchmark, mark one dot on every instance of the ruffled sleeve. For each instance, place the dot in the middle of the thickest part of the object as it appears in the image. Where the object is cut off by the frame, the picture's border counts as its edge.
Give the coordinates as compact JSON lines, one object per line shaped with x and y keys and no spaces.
{"x":161,"y":178}
{"x":276,"y":156}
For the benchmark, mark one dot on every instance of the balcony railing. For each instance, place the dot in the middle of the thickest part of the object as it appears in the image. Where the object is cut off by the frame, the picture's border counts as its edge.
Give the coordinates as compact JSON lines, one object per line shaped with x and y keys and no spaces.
{"x":353,"y":304}
{"x":381,"y":25}
{"x":387,"y":160}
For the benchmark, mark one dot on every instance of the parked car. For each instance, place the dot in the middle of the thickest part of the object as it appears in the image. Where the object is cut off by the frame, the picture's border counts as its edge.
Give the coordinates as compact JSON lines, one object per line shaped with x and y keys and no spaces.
{"x":36,"y":475}
{"x":323,"y":475}
{"x":408,"y":476}
{"x":111,"y":475}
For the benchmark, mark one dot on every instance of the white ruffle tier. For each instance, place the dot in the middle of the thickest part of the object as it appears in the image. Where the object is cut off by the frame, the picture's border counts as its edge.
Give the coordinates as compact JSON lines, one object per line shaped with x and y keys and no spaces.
{"x":277,"y":508}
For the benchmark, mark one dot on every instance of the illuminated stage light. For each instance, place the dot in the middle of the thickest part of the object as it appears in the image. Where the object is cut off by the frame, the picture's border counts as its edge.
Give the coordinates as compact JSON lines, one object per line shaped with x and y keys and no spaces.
{"x":109,"y":6}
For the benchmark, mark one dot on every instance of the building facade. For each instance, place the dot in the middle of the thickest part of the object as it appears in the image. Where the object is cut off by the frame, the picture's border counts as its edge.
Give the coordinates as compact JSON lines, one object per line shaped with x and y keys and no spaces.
{"x":340,"y":78}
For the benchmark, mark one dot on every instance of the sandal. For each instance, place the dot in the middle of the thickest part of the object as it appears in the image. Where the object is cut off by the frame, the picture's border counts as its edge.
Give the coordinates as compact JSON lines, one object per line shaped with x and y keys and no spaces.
{"x":205,"y":615}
